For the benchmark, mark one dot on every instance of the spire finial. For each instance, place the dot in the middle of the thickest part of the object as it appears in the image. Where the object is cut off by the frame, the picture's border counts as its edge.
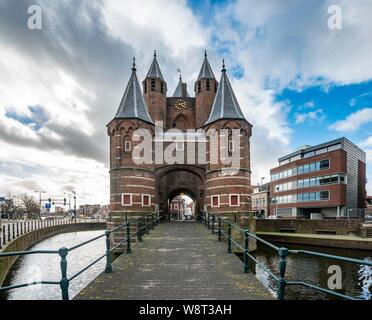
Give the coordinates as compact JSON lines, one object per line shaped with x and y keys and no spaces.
{"x":180,"y":76}
{"x":154,"y":53}
{"x":205,"y":53}
{"x":134,"y":64}
{"x":223,"y":65}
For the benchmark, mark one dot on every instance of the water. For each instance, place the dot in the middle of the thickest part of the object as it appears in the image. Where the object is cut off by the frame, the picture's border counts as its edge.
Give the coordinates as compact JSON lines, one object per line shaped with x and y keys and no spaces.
{"x":356,"y":279}
{"x":47,"y":266}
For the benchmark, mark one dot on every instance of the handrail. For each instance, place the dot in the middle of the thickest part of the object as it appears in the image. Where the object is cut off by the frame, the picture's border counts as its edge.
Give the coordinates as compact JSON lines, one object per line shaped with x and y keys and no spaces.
{"x":282,"y":252}
{"x":150,"y":223}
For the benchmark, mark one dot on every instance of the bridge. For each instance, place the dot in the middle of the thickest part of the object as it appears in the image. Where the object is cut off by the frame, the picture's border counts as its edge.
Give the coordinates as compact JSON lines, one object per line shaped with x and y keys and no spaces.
{"x":181,"y":260}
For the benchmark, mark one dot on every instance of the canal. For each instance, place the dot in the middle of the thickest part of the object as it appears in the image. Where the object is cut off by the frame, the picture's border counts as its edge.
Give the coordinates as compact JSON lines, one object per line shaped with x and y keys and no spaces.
{"x":46,"y":267}
{"x":356,"y":279}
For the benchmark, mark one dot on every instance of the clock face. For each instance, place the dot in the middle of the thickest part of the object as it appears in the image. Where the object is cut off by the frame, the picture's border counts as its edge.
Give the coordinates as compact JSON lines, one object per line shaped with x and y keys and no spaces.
{"x":180,"y":105}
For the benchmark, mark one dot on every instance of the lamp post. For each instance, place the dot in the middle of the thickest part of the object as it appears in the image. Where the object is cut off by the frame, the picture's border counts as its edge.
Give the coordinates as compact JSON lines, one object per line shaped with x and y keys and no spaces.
{"x":75,"y":214}
{"x":277,"y":190}
{"x":40,"y":192}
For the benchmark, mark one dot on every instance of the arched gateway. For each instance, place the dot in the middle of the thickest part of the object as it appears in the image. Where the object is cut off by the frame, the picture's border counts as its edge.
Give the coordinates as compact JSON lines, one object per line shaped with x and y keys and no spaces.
{"x":161,"y":146}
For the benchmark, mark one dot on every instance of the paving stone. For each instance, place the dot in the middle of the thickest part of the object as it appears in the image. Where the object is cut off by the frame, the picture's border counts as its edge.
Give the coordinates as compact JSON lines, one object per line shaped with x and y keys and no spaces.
{"x":177,"y":260}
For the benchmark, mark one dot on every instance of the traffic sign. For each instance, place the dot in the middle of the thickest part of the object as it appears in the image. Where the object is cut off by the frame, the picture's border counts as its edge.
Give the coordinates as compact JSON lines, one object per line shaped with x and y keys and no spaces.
{"x":48,"y":205}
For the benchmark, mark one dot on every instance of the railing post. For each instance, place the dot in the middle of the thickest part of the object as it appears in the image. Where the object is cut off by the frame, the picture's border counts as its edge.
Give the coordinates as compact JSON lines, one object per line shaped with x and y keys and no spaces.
{"x":139,"y":231}
{"x":246,"y":251}
{"x":17,"y":230}
{"x":108,"y":268}
{"x":147,"y":226}
{"x":219,"y":229}
{"x":8,"y":232}
{"x":213,"y":222}
{"x":229,"y":238}
{"x":128,"y":237}
{"x":283,"y":252}
{"x":4,"y":236}
{"x":64,"y":283}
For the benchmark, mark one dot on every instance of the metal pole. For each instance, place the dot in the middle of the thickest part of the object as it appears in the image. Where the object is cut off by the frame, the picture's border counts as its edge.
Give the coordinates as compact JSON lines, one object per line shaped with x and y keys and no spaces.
{"x":283,"y":252}
{"x":108,"y":268}
{"x":246,"y":250}
{"x":64,"y":283}
{"x":139,"y":230}
{"x":219,"y":229}
{"x":213,"y":221}
{"x":229,"y":238}
{"x":8,"y":232}
{"x":128,"y":237}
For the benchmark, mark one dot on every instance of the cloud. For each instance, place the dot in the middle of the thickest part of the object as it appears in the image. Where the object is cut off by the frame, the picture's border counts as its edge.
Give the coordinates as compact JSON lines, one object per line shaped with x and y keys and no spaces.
{"x":312,"y":116}
{"x":353,"y":121}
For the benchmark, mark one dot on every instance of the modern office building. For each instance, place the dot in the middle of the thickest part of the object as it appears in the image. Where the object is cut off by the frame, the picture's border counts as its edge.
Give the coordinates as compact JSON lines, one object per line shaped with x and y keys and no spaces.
{"x":323,"y":181}
{"x":261,"y":200}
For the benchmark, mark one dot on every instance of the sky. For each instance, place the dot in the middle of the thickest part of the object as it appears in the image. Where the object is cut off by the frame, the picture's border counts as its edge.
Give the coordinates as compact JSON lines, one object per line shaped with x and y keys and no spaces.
{"x":297,"y":80}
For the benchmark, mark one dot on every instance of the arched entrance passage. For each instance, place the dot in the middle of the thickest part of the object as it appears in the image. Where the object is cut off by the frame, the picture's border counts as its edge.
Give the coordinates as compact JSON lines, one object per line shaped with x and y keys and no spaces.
{"x":176,"y":179}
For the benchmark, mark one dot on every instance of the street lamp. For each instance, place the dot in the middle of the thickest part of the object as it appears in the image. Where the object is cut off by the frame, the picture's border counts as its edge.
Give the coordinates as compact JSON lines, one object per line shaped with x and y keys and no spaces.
{"x":69,"y":200}
{"x":277,"y":190}
{"x":75,"y":214}
{"x":40,"y":192}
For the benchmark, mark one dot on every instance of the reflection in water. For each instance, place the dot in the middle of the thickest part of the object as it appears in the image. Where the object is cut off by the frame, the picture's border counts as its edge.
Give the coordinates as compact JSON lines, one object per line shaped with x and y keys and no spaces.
{"x":47,"y":266}
{"x":356,"y":279}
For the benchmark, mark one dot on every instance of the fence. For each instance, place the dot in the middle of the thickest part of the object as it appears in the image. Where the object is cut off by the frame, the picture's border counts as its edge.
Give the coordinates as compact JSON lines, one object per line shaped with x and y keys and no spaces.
{"x":141,"y":228}
{"x":224,"y":230}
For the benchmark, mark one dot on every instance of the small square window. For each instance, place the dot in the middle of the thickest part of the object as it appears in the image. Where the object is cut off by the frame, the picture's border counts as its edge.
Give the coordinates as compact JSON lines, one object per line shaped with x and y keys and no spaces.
{"x":234,"y":200}
{"x":126,"y":199}
{"x":127,"y":146}
{"x":215,"y":201}
{"x":146,"y":200}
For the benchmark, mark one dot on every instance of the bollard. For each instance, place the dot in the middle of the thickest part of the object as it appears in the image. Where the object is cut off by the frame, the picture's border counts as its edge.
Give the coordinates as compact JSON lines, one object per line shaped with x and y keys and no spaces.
{"x":229,"y":238}
{"x":108,"y":268}
{"x":246,"y":250}
{"x":128,"y":237}
{"x":208,"y":227}
{"x":219,"y":229}
{"x":64,"y":283}
{"x":283,"y":252}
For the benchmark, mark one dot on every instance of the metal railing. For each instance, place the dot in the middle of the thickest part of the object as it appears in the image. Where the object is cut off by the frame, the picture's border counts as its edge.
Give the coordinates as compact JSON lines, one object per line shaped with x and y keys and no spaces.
{"x":141,"y":228}
{"x":12,"y":230}
{"x":212,"y":221}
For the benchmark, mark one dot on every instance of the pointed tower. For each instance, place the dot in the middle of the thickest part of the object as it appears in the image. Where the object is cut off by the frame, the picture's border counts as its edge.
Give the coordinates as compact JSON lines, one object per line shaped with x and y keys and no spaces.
{"x":132,"y":184}
{"x":181,"y":90}
{"x":155,"y":92}
{"x":228,"y":180}
{"x":205,"y":91}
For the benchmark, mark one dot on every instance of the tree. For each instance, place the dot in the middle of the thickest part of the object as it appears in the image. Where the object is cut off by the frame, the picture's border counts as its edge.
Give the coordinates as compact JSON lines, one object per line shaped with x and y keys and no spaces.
{"x":29,"y":204}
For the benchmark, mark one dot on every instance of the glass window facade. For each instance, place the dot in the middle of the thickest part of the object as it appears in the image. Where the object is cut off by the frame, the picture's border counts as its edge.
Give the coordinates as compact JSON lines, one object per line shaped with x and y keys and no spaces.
{"x":302,"y":197}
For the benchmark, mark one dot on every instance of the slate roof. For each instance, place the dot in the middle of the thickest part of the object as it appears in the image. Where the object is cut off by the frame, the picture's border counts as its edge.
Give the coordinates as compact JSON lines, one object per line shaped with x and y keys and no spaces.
{"x":206,"y":71}
{"x":132,"y":104}
{"x":225,"y":105}
{"x":154,"y":71}
{"x":178,"y":91}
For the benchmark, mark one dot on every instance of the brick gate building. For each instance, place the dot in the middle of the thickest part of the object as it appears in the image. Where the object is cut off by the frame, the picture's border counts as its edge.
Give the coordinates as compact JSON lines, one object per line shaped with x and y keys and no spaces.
{"x":138,"y":188}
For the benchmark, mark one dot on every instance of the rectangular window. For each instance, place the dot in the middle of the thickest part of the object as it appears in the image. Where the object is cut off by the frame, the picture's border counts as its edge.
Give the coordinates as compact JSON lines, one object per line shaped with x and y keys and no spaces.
{"x":231,"y":145}
{"x":234,"y":200}
{"x":324,"y":195}
{"x":127,"y":146}
{"x":126,"y":199}
{"x":324,"y":164}
{"x":152,"y":84}
{"x":162,"y":87}
{"x":312,"y":196}
{"x":334,"y":178}
{"x":146,"y":200}
{"x":208,"y":85}
{"x":215,"y":201}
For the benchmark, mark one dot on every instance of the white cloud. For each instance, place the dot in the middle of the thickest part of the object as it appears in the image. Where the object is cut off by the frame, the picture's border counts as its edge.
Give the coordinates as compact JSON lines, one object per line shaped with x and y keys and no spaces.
{"x":353,"y":121}
{"x":316,"y":115}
